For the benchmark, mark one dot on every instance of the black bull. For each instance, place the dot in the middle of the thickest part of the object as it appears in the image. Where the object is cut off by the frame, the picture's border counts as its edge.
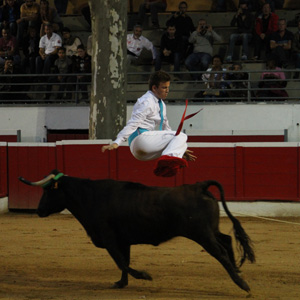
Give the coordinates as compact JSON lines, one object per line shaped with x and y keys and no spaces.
{"x":118,"y":214}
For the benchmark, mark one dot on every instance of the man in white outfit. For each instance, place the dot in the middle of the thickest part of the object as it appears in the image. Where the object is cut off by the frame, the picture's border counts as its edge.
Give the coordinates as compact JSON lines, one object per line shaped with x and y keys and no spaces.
{"x":149,"y":133}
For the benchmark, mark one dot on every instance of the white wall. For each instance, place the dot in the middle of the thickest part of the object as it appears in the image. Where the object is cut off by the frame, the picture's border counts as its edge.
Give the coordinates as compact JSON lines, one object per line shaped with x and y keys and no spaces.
{"x":32,"y":120}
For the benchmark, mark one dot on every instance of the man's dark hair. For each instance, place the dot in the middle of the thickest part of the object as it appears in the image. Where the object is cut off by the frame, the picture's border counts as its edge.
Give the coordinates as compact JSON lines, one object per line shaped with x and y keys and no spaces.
{"x":81,"y":46}
{"x":157,"y":77}
{"x":183,"y":2}
{"x":62,"y":48}
{"x":217,"y":56}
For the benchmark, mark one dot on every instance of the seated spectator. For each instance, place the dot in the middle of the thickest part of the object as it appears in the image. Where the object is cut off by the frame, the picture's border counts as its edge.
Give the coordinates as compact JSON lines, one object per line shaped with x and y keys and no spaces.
{"x":9,"y":47}
{"x":272,"y":83}
{"x":152,"y":6}
{"x":170,"y":49}
{"x":10,"y":87}
{"x":30,"y":50}
{"x":70,"y":42}
{"x":49,"y":15}
{"x":89,"y":46}
{"x":184,"y":26}
{"x":82,"y":64}
{"x":265,"y":24}
{"x":61,"y":6}
{"x":202,"y":40}
{"x":136,"y":43}
{"x":296,"y":50}
{"x":29,"y":16}
{"x":63,"y":65}
{"x":215,"y":82}
{"x":245,"y":22}
{"x":49,"y":44}
{"x":237,"y":83}
{"x":10,"y":15}
{"x":281,"y":44}
{"x":223,"y":5}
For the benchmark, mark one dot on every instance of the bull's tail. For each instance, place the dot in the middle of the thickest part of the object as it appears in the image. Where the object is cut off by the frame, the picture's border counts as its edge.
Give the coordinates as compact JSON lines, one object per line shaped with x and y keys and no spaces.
{"x":241,"y":236}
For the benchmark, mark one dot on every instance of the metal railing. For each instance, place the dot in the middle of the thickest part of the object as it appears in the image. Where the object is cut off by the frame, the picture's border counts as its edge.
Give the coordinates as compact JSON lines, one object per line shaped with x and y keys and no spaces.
{"x":47,"y":89}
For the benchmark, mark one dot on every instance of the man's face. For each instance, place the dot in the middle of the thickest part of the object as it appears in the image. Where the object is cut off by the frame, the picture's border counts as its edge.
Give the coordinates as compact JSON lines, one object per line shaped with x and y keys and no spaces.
{"x":137,"y":32}
{"x":161,"y":91}
{"x":48,"y":30}
{"x":5,"y":34}
{"x":217,"y":62}
{"x":202,"y":24}
{"x":61,"y":54}
{"x":29,"y":3}
{"x":282,"y":25}
{"x":182,"y":8}
{"x":81,"y":53}
{"x":266,"y":9}
{"x":11,"y":2}
{"x":66,"y":35}
{"x":171,"y":30}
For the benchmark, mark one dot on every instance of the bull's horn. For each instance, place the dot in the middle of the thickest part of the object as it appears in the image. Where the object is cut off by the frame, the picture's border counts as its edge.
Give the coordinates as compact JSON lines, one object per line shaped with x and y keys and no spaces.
{"x":38,"y":183}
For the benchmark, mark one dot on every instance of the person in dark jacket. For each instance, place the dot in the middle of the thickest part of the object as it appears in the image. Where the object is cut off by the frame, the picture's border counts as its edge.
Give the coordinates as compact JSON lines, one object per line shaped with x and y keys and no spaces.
{"x":10,"y":15}
{"x":245,"y":22}
{"x":170,"y":49}
{"x":184,"y":26}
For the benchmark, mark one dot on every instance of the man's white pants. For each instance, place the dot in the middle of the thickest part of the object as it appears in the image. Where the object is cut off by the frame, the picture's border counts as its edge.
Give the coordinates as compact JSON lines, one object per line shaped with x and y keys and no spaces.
{"x":153,"y":144}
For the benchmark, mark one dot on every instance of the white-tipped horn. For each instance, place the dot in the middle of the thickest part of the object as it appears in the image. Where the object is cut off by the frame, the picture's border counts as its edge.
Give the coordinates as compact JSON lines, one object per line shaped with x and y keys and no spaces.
{"x":38,"y":183}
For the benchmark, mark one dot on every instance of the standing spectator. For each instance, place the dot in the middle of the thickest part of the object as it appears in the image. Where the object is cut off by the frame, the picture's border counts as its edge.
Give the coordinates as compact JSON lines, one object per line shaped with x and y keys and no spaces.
{"x":152,"y":6}
{"x":170,"y":49}
{"x":10,"y":15}
{"x":49,"y":15}
{"x":30,"y":50}
{"x":266,"y":23}
{"x":215,"y":82}
{"x":202,"y":40}
{"x":49,"y":44}
{"x":136,"y":43}
{"x":296,"y":50}
{"x":272,"y":83}
{"x":63,"y":65}
{"x":61,"y":6}
{"x":281,"y":44}
{"x":82,"y":64}
{"x":245,"y":22}
{"x":9,"y":47}
{"x":184,"y":25}
{"x":29,"y":16}
{"x":70,"y":42}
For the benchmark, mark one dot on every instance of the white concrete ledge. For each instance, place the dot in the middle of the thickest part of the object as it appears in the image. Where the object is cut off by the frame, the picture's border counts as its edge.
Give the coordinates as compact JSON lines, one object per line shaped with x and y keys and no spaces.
{"x":3,"y":205}
{"x":262,"y":209}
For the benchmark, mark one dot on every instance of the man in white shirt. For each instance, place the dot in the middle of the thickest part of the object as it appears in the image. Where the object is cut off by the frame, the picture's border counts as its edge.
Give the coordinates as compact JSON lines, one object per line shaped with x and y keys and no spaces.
{"x":135,"y":45}
{"x":49,"y":44}
{"x":149,"y":133}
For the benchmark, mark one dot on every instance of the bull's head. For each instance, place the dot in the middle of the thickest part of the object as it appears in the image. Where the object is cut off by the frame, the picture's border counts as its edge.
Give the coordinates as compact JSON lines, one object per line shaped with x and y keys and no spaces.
{"x":53,"y":200}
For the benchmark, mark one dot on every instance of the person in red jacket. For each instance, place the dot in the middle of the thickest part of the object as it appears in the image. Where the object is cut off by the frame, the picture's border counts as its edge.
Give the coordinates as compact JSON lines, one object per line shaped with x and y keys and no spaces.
{"x":265,"y":25}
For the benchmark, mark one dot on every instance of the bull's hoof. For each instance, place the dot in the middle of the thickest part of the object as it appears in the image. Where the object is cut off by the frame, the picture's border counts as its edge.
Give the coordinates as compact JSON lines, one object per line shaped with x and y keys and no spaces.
{"x":146,"y":276}
{"x":140,"y":274}
{"x":119,"y":284}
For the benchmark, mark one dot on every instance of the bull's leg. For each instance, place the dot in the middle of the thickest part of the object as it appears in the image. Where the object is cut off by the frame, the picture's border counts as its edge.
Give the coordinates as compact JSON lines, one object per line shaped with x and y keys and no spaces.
{"x":119,"y":259}
{"x":211,"y":245}
{"x":124,"y":278}
{"x":226,"y":242}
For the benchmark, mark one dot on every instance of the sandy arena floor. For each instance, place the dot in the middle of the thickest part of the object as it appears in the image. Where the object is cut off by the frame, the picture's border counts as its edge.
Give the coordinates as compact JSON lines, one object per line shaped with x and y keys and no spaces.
{"x":53,"y":258}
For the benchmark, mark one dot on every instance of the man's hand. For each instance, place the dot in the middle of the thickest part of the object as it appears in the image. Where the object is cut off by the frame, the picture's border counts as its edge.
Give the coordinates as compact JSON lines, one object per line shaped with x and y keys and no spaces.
{"x":189,"y":156}
{"x":110,"y":147}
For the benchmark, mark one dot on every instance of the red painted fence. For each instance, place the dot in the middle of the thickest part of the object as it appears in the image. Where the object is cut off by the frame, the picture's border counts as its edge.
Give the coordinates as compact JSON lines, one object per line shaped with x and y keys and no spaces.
{"x":248,"y":171}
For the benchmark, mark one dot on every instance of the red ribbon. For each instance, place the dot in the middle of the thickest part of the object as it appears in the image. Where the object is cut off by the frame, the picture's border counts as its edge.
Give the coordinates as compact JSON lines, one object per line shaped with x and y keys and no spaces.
{"x":185,"y":117}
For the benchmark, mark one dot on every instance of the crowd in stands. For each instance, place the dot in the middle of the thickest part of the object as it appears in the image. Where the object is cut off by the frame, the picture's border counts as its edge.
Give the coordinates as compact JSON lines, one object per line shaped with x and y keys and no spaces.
{"x":255,"y":24}
{"x":33,"y":40}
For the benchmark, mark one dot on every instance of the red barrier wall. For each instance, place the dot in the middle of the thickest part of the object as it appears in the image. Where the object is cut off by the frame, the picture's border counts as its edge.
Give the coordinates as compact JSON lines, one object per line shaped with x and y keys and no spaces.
{"x":248,"y":172}
{"x":32,"y":161}
{"x":3,"y":170}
